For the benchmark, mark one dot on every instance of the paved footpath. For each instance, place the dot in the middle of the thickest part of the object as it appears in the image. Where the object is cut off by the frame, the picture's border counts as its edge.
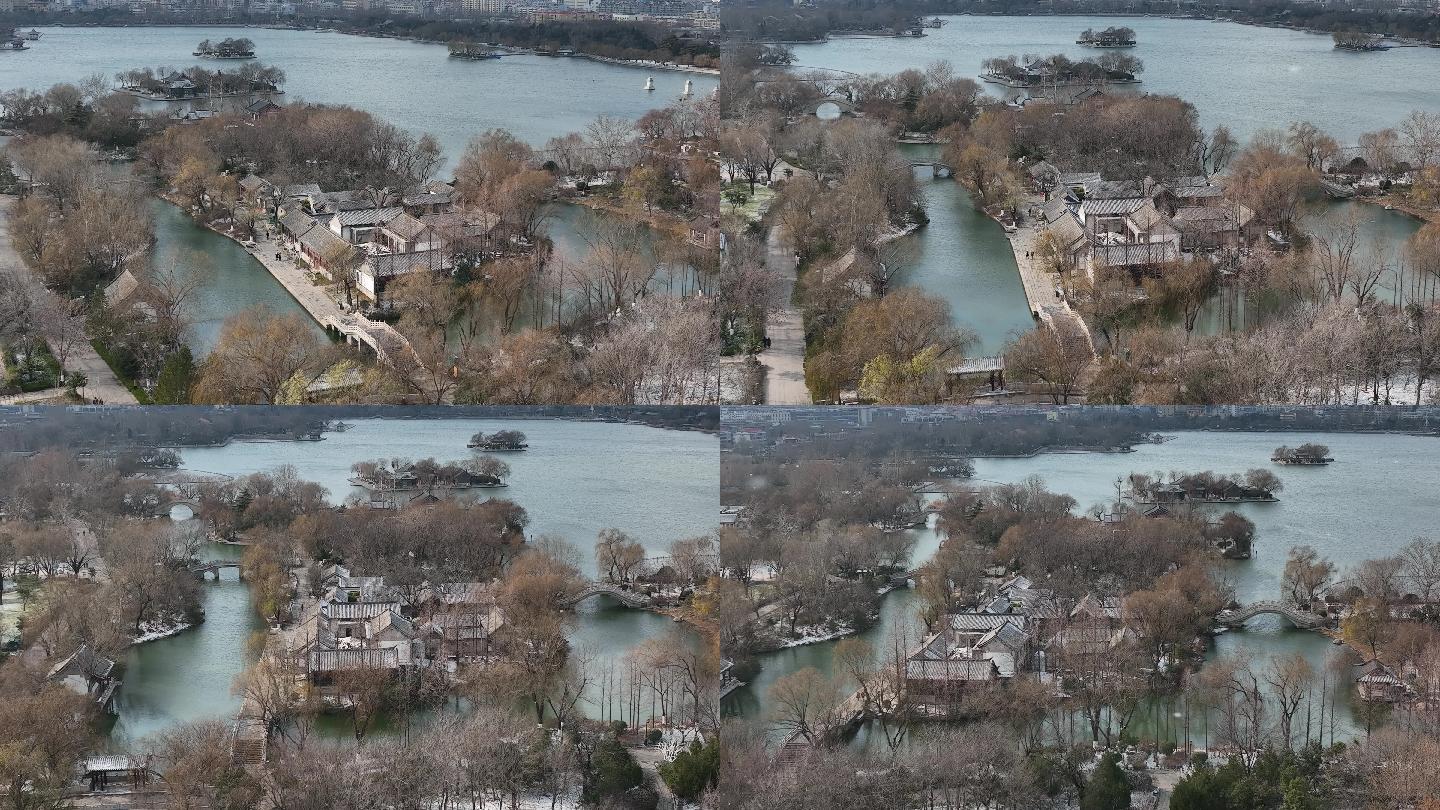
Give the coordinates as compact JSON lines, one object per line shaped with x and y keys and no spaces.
{"x":784,"y":358}
{"x":325,"y":310}
{"x":101,"y":382}
{"x":1042,"y":287}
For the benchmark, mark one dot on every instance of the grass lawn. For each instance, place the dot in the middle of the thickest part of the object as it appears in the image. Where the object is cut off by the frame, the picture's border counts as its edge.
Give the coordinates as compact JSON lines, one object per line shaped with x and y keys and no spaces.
{"x":755,"y":207}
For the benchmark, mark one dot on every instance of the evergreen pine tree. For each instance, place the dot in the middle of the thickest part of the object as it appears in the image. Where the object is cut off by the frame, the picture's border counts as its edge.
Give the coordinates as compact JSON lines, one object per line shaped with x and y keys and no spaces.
{"x":1108,"y":788}
{"x":172,"y":387}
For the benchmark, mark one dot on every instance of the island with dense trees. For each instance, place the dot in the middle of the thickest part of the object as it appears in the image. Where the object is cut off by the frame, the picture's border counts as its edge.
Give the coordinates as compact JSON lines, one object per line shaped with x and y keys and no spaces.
{"x":241,"y":48}
{"x":1205,"y":487}
{"x":1306,"y":454}
{"x":1112,"y":37}
{"x":499,"y":441}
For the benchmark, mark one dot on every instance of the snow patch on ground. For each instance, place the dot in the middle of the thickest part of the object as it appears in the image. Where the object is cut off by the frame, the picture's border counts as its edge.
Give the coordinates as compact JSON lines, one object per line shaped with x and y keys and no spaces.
{"x":816,"y":635}
{"x":160,"y":628}
{"x":10,"y":609}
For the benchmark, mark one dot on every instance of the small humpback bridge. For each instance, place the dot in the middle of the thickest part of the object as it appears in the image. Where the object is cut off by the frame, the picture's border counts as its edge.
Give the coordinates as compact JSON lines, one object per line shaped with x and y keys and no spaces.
{"x":628,"y":598}
{"x":1303,"y":619}
{"x":205,"y":570}
{"x":937,"y":169}
{"x":192,"y":504}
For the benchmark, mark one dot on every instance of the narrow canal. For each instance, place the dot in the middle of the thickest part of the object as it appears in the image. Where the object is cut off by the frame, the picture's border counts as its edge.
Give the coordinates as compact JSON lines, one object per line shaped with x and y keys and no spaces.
{"x":229,"y":279}
{"x":576,"y":479}
{"x":963,"y":257}
{"x":1375,"y":498}
{"x":187,"y":676}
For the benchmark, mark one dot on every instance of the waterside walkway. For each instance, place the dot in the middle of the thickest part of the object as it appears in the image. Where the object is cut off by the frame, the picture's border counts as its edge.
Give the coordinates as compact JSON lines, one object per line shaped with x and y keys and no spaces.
{"x":1042,"y":289}
{"x":381,"y":337}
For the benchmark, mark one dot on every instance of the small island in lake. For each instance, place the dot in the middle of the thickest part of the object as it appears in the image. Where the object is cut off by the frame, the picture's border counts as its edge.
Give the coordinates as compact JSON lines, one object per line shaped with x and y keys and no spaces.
{"x":427,"y":476}
{"x":1356,"y":41}
{"x":1059,"y":70}
{"x":499,"y":441}
{"x":1307,"y":453}
{"x":1206,"y":487}
{"x":1112,"y":37}
{"x":461,"y":49}
{"x":241,"y":48}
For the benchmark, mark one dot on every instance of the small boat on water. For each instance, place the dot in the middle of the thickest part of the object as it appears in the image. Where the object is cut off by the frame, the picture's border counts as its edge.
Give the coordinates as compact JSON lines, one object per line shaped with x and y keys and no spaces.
{"x":650,"y":83}
{"x":31,"y":35}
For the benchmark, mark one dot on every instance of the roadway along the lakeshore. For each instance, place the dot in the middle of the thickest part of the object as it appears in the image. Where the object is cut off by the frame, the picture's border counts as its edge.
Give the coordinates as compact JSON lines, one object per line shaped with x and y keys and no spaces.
{"x":100,"y":381}
{"x":784,"y":358}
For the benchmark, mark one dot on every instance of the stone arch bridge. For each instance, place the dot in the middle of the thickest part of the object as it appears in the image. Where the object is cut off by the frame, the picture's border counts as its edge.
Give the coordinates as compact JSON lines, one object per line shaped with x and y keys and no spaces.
{"x":628,"y":598}
{"x":1303,"y":619}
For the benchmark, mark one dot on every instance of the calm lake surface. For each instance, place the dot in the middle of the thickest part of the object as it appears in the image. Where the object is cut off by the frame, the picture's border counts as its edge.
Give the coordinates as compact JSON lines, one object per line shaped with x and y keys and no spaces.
{"x":1377,"y":496}
{"x":412,"y":85}
{"x":576,"y":479}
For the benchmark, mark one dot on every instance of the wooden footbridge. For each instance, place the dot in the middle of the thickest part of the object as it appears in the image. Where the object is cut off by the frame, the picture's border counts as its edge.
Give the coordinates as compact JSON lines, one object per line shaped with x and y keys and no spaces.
{"x":1303,"y":619}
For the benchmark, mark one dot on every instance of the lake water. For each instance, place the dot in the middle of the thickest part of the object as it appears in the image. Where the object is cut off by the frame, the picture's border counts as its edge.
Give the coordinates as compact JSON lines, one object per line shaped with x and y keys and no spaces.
{"x":1377,"y":496}
{"x":575,"y":479}
{"x":412,"y":85}
{"x":1244,"y":77}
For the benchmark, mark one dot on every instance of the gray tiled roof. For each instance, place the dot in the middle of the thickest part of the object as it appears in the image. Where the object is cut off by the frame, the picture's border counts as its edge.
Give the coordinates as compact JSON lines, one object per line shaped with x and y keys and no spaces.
{"x":389,"y":265}
{"x":337,"y":660}
{"x":1143,"y":253}
{"x":296,"y":222}
{"x":364,"y":217}
{"x":984,"y":622}
{"x":302,"y":190}
{"x":323,"y":242}
{"x":951,"y":670}
{"x":1066,"y":230}
{"x":359,"y":610}
{"x":406,"y":227}
{"x":1111,"y":206}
